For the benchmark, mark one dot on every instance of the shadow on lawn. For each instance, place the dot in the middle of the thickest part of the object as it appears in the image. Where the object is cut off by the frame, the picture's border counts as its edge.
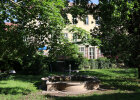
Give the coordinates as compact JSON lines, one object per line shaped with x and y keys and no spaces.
{"x":93,"y":73}
{"x":121,"y":83}
{"x":3,"y":83}
{"x":113,"y":82}
{"x":126,"y":71}
{"x":112,"y":96}
{"x":107,"y":81}
{"x":14,"y":91}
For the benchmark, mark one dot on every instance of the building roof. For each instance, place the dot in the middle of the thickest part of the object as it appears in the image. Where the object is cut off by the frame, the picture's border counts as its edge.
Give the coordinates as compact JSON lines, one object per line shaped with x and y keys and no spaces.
{"x":10,"y":24}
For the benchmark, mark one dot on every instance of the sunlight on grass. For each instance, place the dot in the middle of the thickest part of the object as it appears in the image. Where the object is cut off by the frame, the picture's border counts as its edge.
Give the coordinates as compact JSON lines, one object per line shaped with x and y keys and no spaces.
{"x":13,"y":89}
{"x":121,"y":83}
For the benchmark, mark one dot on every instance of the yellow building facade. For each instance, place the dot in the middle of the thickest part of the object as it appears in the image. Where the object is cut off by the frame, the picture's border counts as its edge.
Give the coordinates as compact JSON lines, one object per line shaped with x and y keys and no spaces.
{"x":88,"y":51}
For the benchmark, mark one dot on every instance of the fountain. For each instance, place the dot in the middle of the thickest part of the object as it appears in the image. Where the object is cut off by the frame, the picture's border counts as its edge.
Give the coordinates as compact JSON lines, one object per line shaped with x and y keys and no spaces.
{"x":71,"y":83}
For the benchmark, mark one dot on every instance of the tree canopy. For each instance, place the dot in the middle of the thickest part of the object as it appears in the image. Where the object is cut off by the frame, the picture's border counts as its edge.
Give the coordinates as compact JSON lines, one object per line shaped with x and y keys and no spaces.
{"x":118,"y":28}
{"x":33,"y":24}
{"x":26,"y":25}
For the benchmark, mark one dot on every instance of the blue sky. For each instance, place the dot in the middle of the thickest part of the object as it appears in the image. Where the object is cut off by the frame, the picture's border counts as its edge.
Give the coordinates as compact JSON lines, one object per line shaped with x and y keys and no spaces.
{"x":94,"y":1}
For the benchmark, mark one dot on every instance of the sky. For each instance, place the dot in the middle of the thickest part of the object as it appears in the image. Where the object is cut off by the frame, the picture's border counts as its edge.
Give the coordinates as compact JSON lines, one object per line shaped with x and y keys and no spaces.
{"x":93,"y":1}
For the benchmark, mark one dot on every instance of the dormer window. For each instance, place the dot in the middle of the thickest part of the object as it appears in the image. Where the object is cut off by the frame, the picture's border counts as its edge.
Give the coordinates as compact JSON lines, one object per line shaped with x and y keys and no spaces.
{"x":86,"y":20}
{"x":82,"y":50}
{"x":74,"y":20}
{"x":75,"y":38}
{"x":66,"y":35}
{"x":97,"y":21}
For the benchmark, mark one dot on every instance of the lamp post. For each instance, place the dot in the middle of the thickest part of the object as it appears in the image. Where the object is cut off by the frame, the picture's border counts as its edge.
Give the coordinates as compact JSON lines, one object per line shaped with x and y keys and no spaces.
{"x":70,"y":71}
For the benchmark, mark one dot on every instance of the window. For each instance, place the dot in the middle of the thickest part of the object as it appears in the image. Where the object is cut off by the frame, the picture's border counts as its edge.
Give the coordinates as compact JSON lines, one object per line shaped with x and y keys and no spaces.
{"x":86,"y":21}
{"x":66,"y":35}
{"x":82,"y":50}
{"x":74,"y":20}
{"x":91,"y":52}
{"x":99,"y":53}
{"x":97,"y":21}
{"x":75,"y":37}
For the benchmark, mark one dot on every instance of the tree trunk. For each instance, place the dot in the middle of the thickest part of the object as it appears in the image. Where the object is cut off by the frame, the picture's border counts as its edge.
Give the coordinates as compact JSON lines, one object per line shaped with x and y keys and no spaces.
{"x":139,"y":72}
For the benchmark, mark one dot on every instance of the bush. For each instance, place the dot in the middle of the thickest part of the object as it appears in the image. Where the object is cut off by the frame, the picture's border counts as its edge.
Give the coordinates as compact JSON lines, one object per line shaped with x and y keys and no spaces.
{"x":10,"y":64}
{"x":93,"y":63}
{"x":84,"y":64}
{"x":35,"y":64}
{"x":100,"y":63}
{"x":103,"y":63}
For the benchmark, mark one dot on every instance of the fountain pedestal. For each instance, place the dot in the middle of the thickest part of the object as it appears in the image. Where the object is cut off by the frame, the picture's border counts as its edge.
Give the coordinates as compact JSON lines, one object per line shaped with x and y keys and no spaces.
{"x":75,"y":83}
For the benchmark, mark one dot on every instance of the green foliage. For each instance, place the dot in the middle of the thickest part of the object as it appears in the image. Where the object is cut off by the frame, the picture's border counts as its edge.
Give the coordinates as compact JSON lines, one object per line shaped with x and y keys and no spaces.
{"x":93,"y":63}
{"x":34,"y":64}
{"x":78,"y":9}
{"x":95,"y":42}
{"x":33,"y":24}
{"x":119,"y":30}
{"x":104,"y":63}
{"x":31,"y":64}
{"x":84,"y":64}
{"x":10,"y":64}
{"x":63,"y":51}
{"x":80,"y":33}
{"x":100,"y":63}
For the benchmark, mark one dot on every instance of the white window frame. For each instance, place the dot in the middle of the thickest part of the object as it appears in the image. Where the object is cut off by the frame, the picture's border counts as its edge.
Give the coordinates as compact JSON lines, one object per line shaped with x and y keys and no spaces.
{"x":86,"y":20}
{"x":82,"y":51}
{"x":99,"y":53}
{"x":75,"y":38}
{"x":66,"y":35}
{"x":74,"y":19}
{"x":96,"y":21}
{"x":93,"y":53}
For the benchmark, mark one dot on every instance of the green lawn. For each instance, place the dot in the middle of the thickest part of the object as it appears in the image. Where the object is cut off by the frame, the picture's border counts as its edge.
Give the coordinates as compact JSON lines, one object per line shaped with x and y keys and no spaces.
{"x":121,"y":83}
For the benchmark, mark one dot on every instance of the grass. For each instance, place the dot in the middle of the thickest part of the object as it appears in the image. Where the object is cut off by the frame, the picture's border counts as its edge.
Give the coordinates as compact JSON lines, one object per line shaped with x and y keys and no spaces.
{"x":123,"y":79}
{"x":121,"y":83}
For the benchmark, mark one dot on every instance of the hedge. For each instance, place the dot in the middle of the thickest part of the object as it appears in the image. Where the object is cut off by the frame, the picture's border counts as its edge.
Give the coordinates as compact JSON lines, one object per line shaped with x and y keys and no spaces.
{"x":100,"y":63}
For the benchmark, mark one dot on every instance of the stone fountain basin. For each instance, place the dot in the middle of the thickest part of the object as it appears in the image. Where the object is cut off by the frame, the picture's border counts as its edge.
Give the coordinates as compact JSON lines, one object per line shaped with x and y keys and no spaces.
{"x":75,"y":83}
{"x":70,"y":86}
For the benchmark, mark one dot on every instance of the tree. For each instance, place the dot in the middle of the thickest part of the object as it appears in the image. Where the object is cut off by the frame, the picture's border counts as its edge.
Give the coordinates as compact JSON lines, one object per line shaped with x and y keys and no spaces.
{"x":34,"y":23}
{"x":119,"y":30}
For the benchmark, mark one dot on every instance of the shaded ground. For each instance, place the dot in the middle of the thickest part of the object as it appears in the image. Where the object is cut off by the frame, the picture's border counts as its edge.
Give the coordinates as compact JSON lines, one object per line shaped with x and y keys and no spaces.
{"x":65,"y":94}
{"x":111,"y":96}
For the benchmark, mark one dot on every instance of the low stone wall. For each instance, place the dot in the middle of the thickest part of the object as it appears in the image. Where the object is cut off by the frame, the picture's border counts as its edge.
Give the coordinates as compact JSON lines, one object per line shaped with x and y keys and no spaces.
{"x":70,"y":83}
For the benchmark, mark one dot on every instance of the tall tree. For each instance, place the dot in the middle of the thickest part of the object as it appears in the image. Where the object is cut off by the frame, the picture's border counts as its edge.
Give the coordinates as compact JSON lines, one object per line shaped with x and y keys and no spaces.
{"x":119,"y":30}
{"x":31,"y":24}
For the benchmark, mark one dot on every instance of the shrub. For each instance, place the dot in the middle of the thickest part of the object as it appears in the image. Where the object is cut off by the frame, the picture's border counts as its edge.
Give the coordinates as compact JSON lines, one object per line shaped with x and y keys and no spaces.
{"x":103,"y":63}
{"x":100,"y":63}
{"x":35,"y":64}
{"x":84,"y":64}
{"x":93,"y":63}
{"x":10,"y":64}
